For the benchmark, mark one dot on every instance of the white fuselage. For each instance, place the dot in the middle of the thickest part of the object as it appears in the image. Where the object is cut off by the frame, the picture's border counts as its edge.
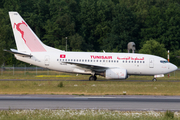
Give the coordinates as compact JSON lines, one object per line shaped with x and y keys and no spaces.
{"x":135,"y":64}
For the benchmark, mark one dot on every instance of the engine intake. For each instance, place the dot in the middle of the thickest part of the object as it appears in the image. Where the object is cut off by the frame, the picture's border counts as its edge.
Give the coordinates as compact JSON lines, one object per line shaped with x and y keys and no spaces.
{"x":116,"y":73}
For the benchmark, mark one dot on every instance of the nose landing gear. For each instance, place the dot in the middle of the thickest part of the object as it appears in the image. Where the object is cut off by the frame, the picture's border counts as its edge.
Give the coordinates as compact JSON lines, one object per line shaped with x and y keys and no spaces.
{"x":154,"y":79}
{"x":92,"y":78}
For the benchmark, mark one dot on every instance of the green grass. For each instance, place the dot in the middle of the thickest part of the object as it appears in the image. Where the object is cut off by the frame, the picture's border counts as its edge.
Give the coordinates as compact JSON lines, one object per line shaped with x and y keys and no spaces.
{"x":33,"y":75}
{"x":90,"y":88}
{"x":100,"y":87}
{"x":53,"y":75}
{"x":84,"y":115}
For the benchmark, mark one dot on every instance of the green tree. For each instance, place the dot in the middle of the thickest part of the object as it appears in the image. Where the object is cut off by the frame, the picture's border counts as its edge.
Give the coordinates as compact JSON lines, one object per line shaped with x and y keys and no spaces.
{"x":61,"y":23}
{"x":6,"y":38}
{"x":154,"y":48}
{"x":162,"y":24}
{"x":77,"y":43}
{"x":124,"y":29}
{"x":87,"y":23}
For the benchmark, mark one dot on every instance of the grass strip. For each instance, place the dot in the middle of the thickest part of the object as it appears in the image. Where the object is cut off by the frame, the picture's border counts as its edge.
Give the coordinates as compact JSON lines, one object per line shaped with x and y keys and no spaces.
{"x":90,"y":88}
{"x":66,"y":114}
{"x":100,"y":87}
{"x":53,"y":75}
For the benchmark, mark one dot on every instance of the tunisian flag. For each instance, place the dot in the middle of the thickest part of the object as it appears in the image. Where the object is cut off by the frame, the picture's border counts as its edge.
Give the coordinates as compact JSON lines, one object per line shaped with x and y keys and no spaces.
{"x":62,"y":56}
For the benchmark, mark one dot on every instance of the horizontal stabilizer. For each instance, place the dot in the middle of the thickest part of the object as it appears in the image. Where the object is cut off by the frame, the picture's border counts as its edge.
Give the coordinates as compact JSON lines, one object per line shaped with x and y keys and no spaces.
{"x":13,"y":51}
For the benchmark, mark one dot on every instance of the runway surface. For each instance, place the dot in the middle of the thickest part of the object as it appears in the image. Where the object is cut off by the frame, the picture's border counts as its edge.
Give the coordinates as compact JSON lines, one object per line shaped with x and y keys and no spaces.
{"x":114,"y":102}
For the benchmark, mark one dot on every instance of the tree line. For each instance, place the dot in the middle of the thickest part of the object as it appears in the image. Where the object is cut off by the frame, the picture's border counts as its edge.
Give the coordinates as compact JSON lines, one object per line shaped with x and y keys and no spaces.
{"x":96,"y":25}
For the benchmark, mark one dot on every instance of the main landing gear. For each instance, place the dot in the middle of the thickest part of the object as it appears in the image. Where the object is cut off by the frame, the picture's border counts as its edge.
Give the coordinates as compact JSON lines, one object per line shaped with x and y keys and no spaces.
{"x":92,"y":78}
{"x":154,"y":79}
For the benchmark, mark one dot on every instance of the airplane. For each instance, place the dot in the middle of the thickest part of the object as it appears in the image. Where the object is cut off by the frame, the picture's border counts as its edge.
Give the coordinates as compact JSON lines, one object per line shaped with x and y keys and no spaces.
{"x":31,"y":50}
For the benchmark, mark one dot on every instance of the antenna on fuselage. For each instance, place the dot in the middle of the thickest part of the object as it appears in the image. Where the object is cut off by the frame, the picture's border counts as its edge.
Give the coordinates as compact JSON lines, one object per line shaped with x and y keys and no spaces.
{"x":131,"y":46}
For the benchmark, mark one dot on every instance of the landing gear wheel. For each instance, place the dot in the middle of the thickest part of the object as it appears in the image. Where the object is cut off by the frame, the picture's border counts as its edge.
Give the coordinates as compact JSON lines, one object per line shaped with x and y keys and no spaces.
{"x":154,"y":79}
{"x":92,"y":78}
{"x":95,"y":78}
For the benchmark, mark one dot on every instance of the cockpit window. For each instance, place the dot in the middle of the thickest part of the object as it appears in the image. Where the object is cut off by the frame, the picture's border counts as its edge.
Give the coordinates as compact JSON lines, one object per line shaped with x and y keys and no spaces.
{"x":163,"y":61}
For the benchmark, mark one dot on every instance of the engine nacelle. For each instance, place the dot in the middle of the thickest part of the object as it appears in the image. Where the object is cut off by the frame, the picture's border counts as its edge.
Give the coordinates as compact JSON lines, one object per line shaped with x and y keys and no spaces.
{"x":116,"y":73}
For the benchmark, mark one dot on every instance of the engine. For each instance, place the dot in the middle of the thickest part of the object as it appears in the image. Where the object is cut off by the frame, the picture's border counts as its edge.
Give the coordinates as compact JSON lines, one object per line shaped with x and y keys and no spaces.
{"x":116,"y":73}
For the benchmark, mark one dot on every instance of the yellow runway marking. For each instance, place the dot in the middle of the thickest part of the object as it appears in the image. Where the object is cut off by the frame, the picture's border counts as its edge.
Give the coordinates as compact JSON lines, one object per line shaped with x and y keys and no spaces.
{"x":53,"y":76}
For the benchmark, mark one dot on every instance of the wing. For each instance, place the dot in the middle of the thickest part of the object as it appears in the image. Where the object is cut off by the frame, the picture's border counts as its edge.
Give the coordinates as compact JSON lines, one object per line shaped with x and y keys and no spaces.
{"x":89,"y":66}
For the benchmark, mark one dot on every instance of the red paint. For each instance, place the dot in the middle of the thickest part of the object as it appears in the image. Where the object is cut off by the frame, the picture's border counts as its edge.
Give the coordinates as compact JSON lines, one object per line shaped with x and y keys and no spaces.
{"x":18,"y":28}
{"x":130,"y":58}
{"x":62,"y":56}
{"x":29,"y":38}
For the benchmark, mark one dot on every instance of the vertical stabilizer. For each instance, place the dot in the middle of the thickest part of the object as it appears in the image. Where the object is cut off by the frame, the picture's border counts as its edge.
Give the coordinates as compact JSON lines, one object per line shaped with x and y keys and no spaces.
{"x":26,"y":39}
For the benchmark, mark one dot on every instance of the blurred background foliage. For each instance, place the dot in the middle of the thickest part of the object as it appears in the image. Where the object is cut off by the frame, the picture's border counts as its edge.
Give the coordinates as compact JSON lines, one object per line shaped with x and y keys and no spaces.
{"x":97,"y":25}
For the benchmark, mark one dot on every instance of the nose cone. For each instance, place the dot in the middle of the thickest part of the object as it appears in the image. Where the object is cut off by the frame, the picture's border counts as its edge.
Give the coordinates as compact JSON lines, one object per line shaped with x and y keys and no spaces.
{"x":173,"y":67}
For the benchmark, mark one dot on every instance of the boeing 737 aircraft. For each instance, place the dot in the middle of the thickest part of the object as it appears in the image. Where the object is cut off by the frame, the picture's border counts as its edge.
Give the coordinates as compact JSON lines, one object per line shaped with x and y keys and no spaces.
{"x":31,"y":50}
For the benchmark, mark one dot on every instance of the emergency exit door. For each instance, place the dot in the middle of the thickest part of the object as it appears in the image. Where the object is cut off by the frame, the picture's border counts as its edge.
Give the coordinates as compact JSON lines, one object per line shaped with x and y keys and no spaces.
{"x":151,"y":63}
{"x":47,"y":60}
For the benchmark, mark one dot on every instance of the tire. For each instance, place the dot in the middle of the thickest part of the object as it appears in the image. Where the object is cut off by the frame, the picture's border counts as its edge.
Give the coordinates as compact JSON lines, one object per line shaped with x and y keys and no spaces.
{"x":154,"y":79}
{"x":95,"y":78}
{"x":91,"y":78}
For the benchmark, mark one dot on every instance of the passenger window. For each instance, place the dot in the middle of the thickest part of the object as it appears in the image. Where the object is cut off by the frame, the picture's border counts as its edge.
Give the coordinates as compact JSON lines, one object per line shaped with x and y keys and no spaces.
{"x":68,"y":59}
{"x":143,"y":62}
{"x":126,"y":61}
{"x":80,"y":60}
{"x":103,"y":60}
{"x":83,"y":60}
{"x":134,"y":61}
{"x":117,"y":61}
{"x":129,"y":61}
{"x":140,"y":61}
{"x":88,"y":60}
{"x":137,"y":61}
{"x":77,"y":60}
{"x":91,"y":60}
{"x":100,"y":61}
{"x":114,"y":60}
{"x":71,"y":59}
{"x":59,"y":59}
{"x":96,"y":60}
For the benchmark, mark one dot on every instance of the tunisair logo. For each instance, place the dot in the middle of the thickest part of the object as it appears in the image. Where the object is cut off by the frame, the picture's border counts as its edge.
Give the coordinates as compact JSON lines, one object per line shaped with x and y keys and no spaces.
{"x":130,"y":58}
{"x":100,"y":57}
{"x":29,"y":38}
